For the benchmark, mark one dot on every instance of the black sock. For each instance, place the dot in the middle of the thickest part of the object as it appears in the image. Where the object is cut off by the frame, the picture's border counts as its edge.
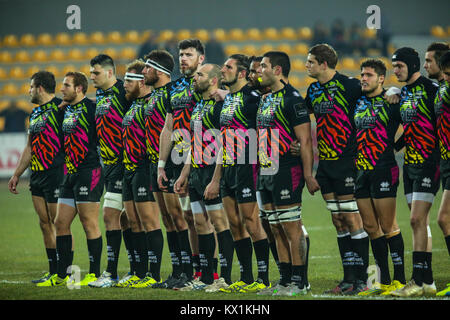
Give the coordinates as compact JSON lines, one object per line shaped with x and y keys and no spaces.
{"x":244,"y":253}
{"x":345,"y":250}
{"x":447,"y":242}
{"x":297,"y":276}
{"x":262,"y":259}
{"x":428,"y":271}
{"x":226,"y":253}
{"x":418,"y":267}
{"x":113,"y":242}
{"x":95,"y":255}
{"x":285,"y":273}
{"x":273,"y":249}
{"x":361,"y":258}
{"x":307,"y":261}
{"x":175,"y":254}
{"x":397,"y":250}
{"x":186,"y":253}
{"x":63,"y":249}
{"x":206,"y":248}
{"x":141,"y":254}
{"x":196,"y":262}
{"x":52,"y":260}
{"x":380,"y":253}
{"x":155,"y":243}
{"x":127,"y":234}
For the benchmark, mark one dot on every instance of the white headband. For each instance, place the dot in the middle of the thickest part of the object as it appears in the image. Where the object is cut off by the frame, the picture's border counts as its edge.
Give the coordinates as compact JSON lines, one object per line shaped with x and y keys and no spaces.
{"x":157,"y":66}
{"x":133,"y":76}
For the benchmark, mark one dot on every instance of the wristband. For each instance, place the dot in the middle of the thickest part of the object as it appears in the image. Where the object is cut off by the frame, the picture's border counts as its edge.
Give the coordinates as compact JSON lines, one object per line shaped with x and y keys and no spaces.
{"x":161,"y":164}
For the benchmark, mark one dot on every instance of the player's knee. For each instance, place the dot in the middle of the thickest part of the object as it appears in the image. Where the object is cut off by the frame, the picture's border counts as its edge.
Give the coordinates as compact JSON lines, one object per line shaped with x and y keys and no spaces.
{"x":417,"y":221}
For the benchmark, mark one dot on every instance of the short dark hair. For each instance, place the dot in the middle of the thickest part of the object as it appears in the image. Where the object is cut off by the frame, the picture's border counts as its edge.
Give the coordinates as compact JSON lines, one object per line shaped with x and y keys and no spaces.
{"x":104,"y":60}
{"x":323,"y":52}
{"x":256,"y":58}
{"x":46,"y":80}
{"x":79,"y":79}
{"x":375,"y":64}
{"x":444,"y":61}
{"x":279,"y":58}
{"x":192,"y":43}
{"x":242,"y":62}
{"x":162,"y":57}
{"x":439,"y":49}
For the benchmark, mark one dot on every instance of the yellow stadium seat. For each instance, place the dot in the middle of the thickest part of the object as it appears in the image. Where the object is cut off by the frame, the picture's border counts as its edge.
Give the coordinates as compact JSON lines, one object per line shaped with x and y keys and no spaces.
{"x":6,"y":57}
{"x":183,"y":34}
{"x":16,"y":73}
{"x":301,"y":49}
{"x":11,"y":41}
{"x":10,"y":89}
{"x":111,"y":52}
{"x":67,"y":68}
{"x":250,"y":50}
{"x":25,"y":105}
{"x":271,"y":34}
{"x":57,"y":55}
{"x":295,"y":81}
{"x":44,"y":39}
{"x":438,"y":32}
{"x":27,"y":40}
{"x":58,"y":87}
{"x":132,"y":36}
{"x":86,"y":69}
{"x":97,"y":38}
{"x":202,"y":35}
{"x":349,"y":63}
{"x":3,"y":74}
{"x":22,"y":56}
{"x":75,"y":54}
{"x":114,"y":37}
{"x":220,"y":34}
{"x":4,"y":104}
{"x":165,"y":35}
{"x":254,"y":34}
{"x":236,"y":34}
{"x":145,"y":35}
{"x":120,"y":69}
{"x":370,"y":33}
{"x":63,"y":39}
{"x":285,"y":47}
{"x":39,"y":56}
{"x":80,"y":38}
{"x":128,"y":53}
{"x":265,"y":48}
{"x":288,"y":33}
{"x":53,"y":69}
{"x":448,"y":31}
{"x":298,"y":65}
{"x":24,"y":88}
{"x":231,"y":49}
{"x":32,"y":70}
{"x":91,"y":53}
{"x":305,"y":33}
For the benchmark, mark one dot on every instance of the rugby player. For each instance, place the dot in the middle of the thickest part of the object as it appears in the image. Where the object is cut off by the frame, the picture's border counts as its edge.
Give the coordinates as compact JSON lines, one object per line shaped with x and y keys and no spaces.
{"x":44,"y":154}
{"x":421,"y":163}
{"x":332,"y":99}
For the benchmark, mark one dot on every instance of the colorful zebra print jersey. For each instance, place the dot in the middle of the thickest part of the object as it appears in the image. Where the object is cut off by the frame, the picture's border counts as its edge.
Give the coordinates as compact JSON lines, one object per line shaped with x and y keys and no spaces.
{"x":419,"y":121}
{"x":80,"y":136}
{"x":46,"y":137}
{"x":205,"y":132}
{"x":376,"y":123}
{"x":111,"y":107}
{"x":182,"y":101}
{"x":333,"y":104}
{"x":133,"y":134}
{"x":155,"y":116}
{"x":238,"y":115}
{"x":442,"y":110}
{"x":278,"y":114}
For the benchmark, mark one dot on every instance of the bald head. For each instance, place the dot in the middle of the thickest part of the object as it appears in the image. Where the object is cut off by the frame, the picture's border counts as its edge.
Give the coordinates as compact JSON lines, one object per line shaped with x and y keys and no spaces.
{"x":207,"y":78}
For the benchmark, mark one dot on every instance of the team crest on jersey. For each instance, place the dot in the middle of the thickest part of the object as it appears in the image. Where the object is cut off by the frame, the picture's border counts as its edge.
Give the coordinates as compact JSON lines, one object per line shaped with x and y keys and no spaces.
{"x":103,"y":106}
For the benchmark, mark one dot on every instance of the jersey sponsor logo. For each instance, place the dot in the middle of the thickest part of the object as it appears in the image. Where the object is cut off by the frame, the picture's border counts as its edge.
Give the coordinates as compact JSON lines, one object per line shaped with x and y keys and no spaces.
{"x":385,"y":186}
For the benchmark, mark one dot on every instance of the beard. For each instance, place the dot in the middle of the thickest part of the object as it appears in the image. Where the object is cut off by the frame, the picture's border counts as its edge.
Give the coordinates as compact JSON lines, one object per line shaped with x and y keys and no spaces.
{"x":132,"y":95}
{"x":69,"y":98}
{"x":201,"y":87}
{"x":152,"y":80}
{"x":35,"y":99}
{"x":230,"y":82}
{"x":368,"y":90}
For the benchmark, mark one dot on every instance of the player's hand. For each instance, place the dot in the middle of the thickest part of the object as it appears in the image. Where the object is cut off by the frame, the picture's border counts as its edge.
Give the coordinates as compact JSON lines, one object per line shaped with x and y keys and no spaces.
{"x":295,"y":148}
{"x":392,"y":99}
{"x":312,"y":184}
{"x":12,"y":184}
{"x":181,"y":185}
{"x":212,"y":190}
{"x":219,"y":94}
{"x":162,"y":179}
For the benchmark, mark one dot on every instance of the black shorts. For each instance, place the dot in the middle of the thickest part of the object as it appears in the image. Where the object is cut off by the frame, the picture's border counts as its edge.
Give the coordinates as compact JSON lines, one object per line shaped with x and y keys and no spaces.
{"x":337,"y":176}
{"x":382,"y":182}
{"x":47,"y":183}
{"x":283,"y":188}
{"x":199,"y":178}
{"x":136,"y":185}
{"x":113,"y":175}
{"x":85,"y":185}
{"x":423,"y":180}
{"x":239,"y":182}
{"x":445,"y":174}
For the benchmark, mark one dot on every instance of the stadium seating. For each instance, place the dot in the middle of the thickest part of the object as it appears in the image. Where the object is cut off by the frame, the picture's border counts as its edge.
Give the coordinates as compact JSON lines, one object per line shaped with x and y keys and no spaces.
{"x":254,"y":34}
{"x":11,"y":41}
{"x":63,"y":39}
{"x":183,"y":34}
{"x":202,"y":35}
{"x":39,"y":56}
{"x":44,"y":39}
{"x":27,"y":40}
